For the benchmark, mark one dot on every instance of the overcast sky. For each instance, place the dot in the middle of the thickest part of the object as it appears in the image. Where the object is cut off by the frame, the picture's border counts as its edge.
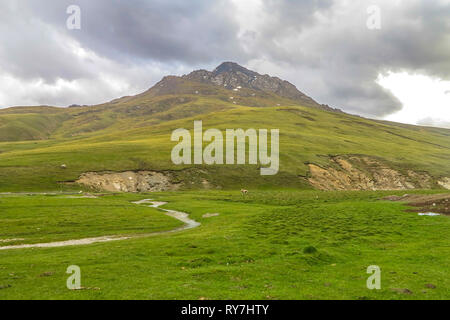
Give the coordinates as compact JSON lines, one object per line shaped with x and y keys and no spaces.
{"x":400,"y":71}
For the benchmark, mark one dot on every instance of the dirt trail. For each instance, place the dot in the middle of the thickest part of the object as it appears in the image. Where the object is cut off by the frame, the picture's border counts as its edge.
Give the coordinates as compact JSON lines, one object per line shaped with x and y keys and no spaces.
{"x":183,"y":217}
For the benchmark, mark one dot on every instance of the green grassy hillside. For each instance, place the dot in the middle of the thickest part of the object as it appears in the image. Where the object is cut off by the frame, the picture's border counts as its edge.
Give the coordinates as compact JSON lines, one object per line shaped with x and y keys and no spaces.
{"x":133,"y":133}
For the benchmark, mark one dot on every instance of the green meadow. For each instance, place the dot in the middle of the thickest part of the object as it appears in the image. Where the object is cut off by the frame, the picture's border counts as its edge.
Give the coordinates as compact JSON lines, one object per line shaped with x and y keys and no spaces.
{"x":39,"y":218}
{"x":285,"y":244}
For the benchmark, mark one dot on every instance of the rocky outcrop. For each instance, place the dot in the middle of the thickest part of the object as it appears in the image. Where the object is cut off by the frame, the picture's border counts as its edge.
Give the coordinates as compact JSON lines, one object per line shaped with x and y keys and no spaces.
{"x":365,"y":173}
{"x":230,"y":75}
{"x":129,"y":181}
{"x":444,"y":183}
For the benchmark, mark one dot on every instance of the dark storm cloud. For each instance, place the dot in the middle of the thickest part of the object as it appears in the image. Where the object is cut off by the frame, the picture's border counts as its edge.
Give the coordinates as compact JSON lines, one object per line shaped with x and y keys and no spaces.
{"x":139,"y":41}
{"x":337,"y":48}
{"x":30,"y":49}
{"x":322,"y":46}
{"x":193,"y":31}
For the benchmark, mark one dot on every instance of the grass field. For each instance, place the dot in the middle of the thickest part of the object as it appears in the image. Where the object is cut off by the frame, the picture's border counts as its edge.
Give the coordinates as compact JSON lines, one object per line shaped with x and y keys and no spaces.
{"x":39,"y":218}
{"x":268,"y":245}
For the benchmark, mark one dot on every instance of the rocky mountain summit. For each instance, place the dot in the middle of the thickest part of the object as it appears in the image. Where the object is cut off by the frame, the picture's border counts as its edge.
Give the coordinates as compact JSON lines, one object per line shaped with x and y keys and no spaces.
{"x":235,"y":84}
{"x":232,"y":76}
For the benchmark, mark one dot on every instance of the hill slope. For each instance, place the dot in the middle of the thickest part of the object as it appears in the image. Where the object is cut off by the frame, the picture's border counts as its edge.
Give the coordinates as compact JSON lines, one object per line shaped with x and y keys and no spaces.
{"x":319,"y":147}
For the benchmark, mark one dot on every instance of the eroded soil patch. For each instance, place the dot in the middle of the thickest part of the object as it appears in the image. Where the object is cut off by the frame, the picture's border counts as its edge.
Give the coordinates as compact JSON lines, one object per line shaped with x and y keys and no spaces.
{"x":437,"y":203}
{"x":129,"y":181}
{"x":444,"y":183}
{"x":365,"y":173}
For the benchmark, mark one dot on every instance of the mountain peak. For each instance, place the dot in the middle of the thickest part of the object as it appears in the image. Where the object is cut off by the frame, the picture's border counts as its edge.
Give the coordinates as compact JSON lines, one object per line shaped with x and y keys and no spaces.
{"x":227,"y":67}
{"x":231,"y":75}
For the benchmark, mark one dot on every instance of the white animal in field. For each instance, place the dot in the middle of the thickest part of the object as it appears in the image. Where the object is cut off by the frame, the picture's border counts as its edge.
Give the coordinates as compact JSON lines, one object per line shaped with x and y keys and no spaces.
{"x":243,"y":191}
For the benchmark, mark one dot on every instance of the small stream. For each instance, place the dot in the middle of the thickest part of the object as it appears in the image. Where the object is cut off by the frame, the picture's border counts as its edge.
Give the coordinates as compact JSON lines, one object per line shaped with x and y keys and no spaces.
{"x":182,"y":216}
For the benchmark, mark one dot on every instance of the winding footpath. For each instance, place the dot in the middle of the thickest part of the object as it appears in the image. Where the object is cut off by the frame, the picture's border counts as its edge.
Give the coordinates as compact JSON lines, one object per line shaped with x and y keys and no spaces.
{"x":182,"y":216}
